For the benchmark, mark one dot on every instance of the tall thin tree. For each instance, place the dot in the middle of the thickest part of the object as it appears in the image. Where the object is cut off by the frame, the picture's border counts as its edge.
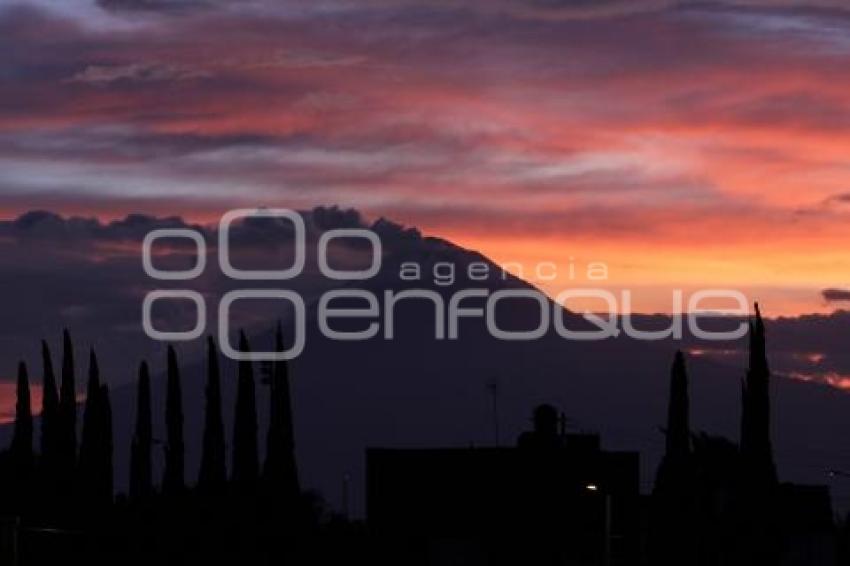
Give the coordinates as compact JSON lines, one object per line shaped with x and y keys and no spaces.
{"x":20,"y":488}
{"x":21,"y":449}
{"x":245,"y":458}
{"x":174,"y":478}
{"x":678,"y":411}
{"x":67,"y":418}
{"x":671,"y":534}
{"x":91,"y":441}
{"x":50,"y":423}
{"x":212,"y":478}
{"x":141,"y":476}
{"x":756,"y":504}
{"x":674,"y":471}
{"x":756,"y":449}
{"x":105,"y":478}
{"x":280,"y":471}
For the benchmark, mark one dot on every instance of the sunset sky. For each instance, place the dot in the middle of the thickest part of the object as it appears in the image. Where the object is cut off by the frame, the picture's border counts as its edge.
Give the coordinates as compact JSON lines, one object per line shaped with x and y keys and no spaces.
{"x":683,"y":144}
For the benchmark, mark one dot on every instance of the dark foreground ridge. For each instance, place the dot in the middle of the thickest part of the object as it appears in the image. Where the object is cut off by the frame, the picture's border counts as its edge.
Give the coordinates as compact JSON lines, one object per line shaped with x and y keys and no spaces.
{"x":556,"y":498}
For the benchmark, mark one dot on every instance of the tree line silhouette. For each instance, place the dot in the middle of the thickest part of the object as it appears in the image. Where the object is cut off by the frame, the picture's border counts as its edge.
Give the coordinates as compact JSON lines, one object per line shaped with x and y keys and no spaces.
{"x":70,"y":488}
{"x":714,"y":501}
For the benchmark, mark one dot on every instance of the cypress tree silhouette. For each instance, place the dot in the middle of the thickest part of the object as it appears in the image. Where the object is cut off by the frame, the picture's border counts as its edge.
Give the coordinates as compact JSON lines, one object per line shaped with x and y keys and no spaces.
{"x":174,"y":478}
{"x":104,"y":476}
{"x":758,"y":482}
{"x":678,"y":412}
{"x":50,"y":424}
{"x":212,"y":478}
{"x":21,"y":449}
{"x":20,"y":482}
{"x":280,"y":472}
{"x":245,"y":458}
{"x":673,"y":526}
{"x":91,"y":442}
{"x":756,"y":451}
{"x":141,"y":476}
{"x":67,"y":419}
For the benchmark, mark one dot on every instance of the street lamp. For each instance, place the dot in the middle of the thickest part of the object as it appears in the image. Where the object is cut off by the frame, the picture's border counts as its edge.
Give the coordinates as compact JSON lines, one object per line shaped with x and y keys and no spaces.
{"x":606,"y":557}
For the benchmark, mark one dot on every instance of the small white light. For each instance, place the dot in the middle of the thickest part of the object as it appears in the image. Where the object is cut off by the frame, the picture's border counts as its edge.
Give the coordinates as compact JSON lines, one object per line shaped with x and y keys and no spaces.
{"x":591,"y":487}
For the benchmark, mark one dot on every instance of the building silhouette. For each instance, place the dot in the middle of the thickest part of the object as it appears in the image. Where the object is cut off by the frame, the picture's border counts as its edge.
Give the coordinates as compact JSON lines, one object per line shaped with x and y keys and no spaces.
{"x":555,"y":498}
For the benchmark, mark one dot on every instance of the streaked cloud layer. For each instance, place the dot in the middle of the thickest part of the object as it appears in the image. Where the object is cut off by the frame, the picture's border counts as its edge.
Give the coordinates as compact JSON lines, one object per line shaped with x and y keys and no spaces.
{"x":681,"y":143}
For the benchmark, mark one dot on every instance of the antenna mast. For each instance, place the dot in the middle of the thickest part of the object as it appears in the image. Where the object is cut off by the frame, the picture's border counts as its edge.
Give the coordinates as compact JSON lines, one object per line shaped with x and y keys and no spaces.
{"x":493,"y":387}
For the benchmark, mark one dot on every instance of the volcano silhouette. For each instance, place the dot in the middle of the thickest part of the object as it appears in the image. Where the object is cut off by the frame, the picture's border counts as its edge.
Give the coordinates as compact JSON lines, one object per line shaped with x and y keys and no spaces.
{"x":418,"y":391}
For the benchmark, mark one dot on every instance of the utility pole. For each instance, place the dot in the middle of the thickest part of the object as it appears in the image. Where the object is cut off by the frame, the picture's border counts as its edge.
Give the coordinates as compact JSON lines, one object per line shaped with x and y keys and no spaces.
{"x":346,"y":504}
{"x":493,"y":387}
